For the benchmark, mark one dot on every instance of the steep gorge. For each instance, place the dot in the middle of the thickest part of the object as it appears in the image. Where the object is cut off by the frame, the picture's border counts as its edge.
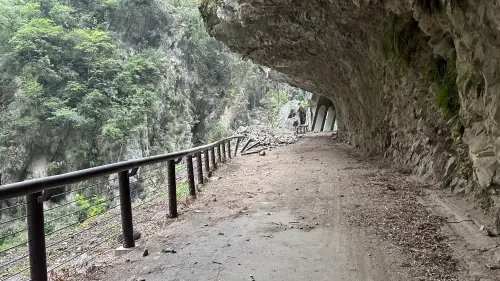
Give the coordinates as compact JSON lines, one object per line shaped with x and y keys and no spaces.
{"x":86,"y":83}
{"x":415,"y":81}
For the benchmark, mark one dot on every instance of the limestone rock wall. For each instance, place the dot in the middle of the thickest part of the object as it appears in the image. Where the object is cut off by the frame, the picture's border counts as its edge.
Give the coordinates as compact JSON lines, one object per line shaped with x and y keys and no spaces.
{"x":416,"y":81}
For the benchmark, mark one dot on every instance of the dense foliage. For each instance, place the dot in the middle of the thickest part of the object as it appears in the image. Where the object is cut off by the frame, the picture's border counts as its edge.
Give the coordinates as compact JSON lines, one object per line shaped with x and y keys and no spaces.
{"x":89,"y":82}
{"x":83,"y":83}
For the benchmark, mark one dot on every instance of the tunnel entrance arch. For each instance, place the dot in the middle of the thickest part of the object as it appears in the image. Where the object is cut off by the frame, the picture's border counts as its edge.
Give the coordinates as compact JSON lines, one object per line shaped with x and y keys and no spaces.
{"x":324,"y":115}
{"x":330,"y":120}
{"x":320,"y":117}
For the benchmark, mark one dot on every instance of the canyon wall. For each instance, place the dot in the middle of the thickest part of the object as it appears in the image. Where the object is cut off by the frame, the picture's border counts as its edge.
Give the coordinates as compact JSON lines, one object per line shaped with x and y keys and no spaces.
{"x":415,"y":81}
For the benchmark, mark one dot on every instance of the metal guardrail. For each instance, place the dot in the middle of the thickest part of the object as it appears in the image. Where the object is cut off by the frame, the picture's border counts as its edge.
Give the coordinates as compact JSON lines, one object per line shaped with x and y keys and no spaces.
{"x":302,"y":129}
{"x":38,"y":191}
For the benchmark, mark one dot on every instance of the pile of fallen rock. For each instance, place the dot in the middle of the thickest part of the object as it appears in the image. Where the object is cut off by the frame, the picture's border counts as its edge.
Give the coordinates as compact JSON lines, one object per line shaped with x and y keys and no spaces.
{"x":262,"y":138}
{"x":267,"y":136}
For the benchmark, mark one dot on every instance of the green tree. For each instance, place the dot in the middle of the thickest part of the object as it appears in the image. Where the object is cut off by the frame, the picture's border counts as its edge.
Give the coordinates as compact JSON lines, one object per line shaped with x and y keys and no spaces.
{"x":273,"y":102}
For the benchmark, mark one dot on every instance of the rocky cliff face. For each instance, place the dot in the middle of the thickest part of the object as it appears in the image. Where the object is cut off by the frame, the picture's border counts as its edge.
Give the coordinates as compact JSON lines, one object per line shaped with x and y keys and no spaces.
{"x":416,"y":81}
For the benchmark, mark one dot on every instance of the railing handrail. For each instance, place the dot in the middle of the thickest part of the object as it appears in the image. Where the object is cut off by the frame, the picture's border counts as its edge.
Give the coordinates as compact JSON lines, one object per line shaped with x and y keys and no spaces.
{"x":23,"y":188}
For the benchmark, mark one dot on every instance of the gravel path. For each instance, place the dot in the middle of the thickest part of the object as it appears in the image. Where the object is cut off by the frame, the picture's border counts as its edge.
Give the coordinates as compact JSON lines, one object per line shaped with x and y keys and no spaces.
{"x":314,"y":210}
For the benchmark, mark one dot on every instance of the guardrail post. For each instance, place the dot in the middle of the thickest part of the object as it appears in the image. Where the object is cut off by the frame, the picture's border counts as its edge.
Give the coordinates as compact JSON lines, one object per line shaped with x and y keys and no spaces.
{"x":229,"y":149}
{"x":190,"y":174}
{"x":126,"y":209}
{"x":224,"y":151}
{"x":199,"y":167}
{"x":219,"y":154}
{"x":237,"y":144}
{"x":246,"y":145}
{"x":36,"y":237}
{"x":214,"y":163}
{"x":172,"y":189}
{"x":207,"y":163}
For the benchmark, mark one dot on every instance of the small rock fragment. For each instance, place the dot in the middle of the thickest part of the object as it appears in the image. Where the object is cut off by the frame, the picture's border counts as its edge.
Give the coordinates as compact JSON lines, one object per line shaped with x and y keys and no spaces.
{"x":168,"y":250}
{"x":405,"y":264}
{"x":484,"y":230}
{"x":145,"y":253}
{"x":493,"y":266}
{"x":262,"y":153}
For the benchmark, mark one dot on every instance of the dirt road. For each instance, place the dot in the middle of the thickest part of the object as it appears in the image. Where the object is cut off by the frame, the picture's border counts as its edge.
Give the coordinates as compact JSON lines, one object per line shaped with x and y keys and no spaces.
{"x":314,"y":210}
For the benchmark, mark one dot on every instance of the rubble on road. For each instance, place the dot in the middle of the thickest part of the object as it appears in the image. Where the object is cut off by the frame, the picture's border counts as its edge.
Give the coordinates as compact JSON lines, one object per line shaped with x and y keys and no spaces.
{"x":266,"y":136}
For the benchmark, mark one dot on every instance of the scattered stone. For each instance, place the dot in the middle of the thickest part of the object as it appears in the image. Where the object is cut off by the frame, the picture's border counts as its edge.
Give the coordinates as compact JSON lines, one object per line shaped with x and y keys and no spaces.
{"x":405,"y":264}
{"x":484,"y":231}
{"x":493,"y":266}
{"x":145,"y":253}
{"x":168,"y":250}
{"x":221,"y":234}
{"x":262,"y":153}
